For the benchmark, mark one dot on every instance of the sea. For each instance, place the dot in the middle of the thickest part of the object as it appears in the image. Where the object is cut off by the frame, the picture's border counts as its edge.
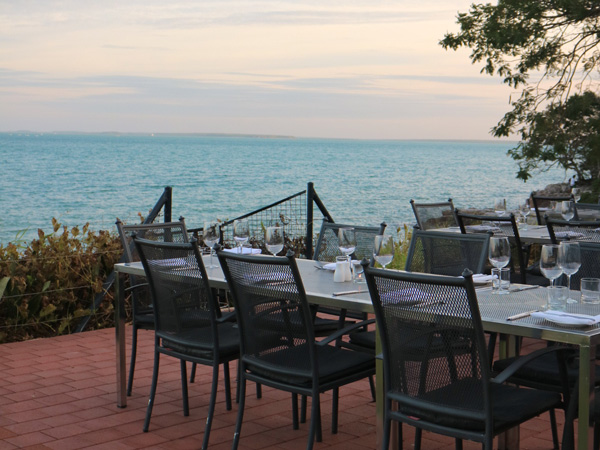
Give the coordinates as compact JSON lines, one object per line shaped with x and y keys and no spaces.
{"x":97,"y":178}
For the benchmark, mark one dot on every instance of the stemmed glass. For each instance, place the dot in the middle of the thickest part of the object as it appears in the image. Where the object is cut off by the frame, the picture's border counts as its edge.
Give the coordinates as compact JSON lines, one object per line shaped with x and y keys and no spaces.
{"x":525,"y":210}
{"x":567,"y":209}
{"x":210,"y":234}
{"x":549,"y":262}
{"x":274,"y":239}
{"x":576,"y":193}
{"x":499,"y":256}
{"x":384,"y":249}
{"x":347,"y":241}
{"x":569,"y":260}
{"x":500,"y":206}
{"x":241,"y":233}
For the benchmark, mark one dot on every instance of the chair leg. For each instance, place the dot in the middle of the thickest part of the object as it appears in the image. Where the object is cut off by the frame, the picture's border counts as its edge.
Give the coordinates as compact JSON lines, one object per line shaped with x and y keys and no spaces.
{"x":334,"y":410}
{"x":295,"y":424}
{"x":184,"y":388}
{"x":458,"y":444}
{"x":554,"y":429}
{"x":372,"y":386}
{"x":240,"y":415}
{"x":315,"y":423}
{"x":152,"y":390}
{"x":387,"y":428}
{"x":418,"y":435}
{"x":227,"y":382}
{"x":134,"y":333}
{"x":258,"y":390}
{"x":303,"y":409}
{"x":596,"y":436}
{"x":193,"y":373}
{"x":211,"y":405}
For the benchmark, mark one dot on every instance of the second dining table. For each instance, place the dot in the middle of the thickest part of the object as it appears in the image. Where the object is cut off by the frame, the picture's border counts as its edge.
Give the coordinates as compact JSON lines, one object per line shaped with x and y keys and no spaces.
{"x":495,"y":309}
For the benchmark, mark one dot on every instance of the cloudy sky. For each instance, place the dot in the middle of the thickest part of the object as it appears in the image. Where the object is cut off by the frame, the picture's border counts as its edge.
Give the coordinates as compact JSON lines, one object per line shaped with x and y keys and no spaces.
{"x":346,"y":69}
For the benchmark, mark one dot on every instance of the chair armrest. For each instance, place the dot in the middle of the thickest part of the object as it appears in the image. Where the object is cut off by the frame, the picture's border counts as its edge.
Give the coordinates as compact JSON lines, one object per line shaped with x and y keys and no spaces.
{"x":527,"y":359}
{"x":347,"y":329}
{"x":227,"y":317}
{"x":136,"y":286}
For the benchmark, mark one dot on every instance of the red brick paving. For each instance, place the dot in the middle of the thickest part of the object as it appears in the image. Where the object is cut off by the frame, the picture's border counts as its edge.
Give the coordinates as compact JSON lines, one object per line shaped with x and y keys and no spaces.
{"x":59,"y":394}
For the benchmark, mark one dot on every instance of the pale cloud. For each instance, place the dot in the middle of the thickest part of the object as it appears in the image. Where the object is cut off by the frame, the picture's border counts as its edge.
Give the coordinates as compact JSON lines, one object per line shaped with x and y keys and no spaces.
{"x":306,"y":68}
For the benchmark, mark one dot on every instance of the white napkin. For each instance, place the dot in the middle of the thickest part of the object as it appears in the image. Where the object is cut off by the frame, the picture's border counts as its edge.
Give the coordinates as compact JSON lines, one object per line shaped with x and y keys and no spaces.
{"x":483,"y":228}
{"x":331,"y":266}
{"x":407,"y":297}
{"x":564,"y":234}
{"x":481,"y":278}
{"x":566,"y":318}
{"x":245,"y":250}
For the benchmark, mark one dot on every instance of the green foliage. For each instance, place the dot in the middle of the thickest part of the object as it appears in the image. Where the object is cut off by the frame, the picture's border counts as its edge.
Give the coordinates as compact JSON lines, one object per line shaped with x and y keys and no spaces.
{"x":401,"y":250}
{"x":549,"y":49}
{"x":48,"y":284}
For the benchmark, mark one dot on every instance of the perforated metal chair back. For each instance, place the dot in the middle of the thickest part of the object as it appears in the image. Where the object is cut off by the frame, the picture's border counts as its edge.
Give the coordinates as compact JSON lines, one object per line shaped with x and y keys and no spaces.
{"x":587,"y":211}
{"x":574,"y":230}
{"x":540,"y":205}
{"x":327,"y":247}
{"x":158,"y":232}
{"x":434,"y":215}
{"x":275,"y":320}
{"x":442,"y":253}
{"x":185,"y":311}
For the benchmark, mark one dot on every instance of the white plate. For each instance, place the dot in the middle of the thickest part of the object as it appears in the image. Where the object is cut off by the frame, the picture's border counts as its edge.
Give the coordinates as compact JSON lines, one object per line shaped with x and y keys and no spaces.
{"x":559,"y":322}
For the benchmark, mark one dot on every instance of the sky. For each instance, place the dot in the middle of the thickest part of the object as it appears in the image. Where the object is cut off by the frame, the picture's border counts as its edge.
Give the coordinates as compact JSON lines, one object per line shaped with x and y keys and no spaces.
{"x":330,"y":69}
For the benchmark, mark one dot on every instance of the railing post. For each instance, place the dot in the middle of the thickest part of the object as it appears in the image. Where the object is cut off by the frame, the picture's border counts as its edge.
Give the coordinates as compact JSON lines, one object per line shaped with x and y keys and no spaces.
{"x":310,"y":191}
{"x":168,"y":203}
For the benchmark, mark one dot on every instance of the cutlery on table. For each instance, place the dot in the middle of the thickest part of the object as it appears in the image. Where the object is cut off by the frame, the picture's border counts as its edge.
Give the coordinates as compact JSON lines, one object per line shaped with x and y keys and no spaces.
{"x":335,"y":294}
{"x":522,"y":288}
{"x":521,"y":315}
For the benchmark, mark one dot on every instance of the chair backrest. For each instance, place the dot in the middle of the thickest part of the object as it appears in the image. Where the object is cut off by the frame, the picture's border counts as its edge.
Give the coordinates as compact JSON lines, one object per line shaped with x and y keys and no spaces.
{"x":434,"y":215}
{"x":184,"y":307}
{"x":327,"y":247}
{"x":158,"y":232}
{"x":540,"y":204}
{"x":590,"y":264}
{"x":443,"y":253}
{"x":587,"y":211}
{"x":575,"y":230}
{"x":274,"y":318}
{"x":424,"y":370}
{"x":505,"y":225}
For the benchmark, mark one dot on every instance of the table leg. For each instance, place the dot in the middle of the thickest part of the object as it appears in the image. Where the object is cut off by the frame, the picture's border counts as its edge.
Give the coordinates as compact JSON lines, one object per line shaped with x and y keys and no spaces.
{"x":587,"y":361}
{"x":379,"y":394}
{"x":120,"y":342}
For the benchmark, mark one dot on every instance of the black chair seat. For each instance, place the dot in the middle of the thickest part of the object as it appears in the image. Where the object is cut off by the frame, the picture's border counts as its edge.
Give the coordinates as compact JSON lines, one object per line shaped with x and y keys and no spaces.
{"x":333,"y":363}
{"x":363,"y":339}
{"x":229,"y":342}
{"x":145,"y":321}
{"x":510,"y":405}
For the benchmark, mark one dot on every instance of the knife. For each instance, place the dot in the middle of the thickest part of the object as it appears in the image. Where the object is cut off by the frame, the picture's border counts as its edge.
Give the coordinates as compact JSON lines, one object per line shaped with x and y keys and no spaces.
{"x":335,"y":294}
{"x":522,"y":288}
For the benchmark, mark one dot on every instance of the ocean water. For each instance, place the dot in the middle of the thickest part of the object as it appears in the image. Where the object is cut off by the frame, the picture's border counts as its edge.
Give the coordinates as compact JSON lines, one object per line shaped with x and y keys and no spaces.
{"x":97,"y":178}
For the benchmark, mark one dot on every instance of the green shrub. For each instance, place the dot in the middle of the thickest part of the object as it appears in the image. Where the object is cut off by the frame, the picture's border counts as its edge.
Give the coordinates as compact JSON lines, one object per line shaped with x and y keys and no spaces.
{"x":48,"y":284}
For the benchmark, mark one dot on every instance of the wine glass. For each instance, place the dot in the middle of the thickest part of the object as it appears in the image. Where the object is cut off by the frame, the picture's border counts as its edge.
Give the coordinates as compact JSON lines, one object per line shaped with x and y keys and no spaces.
{"x":347,"y":241}
{"x":525,"y":210}
{"x":549,"y":262}
{"x":274,"y":239}
{"x":567,"y":209}
{"x":576,"y":193}
{"x":384,"y":249}
{"x":241,"y":233}
{"x":569,"y":260}
{"x":499,"y":256}
{"x":500,"y":206}
{"x":210,"y":234}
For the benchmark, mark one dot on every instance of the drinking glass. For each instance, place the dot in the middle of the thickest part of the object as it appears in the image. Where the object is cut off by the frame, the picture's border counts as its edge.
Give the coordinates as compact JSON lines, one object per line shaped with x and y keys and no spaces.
{"x":576,"y":193}
{"x":567,"y":209}
{"x":525,"y":210}
{"x":347,"y":241}
{"x":210,"y":234}
{"x":499,"y":256}
{"x":241,"y":233}
{"x":569,"y":260}
{"x":500,"y":206}
{"x":549,"y":262}
{"x":274,"y":239}
{"x":384,"y":249}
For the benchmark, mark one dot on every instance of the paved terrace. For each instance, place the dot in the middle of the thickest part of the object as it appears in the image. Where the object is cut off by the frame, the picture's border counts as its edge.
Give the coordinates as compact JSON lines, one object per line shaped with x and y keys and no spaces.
{"x":59,"y":393}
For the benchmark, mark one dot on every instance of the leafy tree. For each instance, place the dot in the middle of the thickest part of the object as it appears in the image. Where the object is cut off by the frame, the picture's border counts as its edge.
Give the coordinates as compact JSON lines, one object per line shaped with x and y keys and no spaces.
{"x":549,"y":49}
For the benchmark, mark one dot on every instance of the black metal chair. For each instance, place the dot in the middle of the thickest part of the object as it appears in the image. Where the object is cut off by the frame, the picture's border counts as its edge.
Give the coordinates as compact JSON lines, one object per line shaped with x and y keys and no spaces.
{"x":540,"y":201}
{"x":568,"y":441}
{"x":278,"y":346}
{"x":141,"y":301}
{"x":188,"y":322}
{"x":573,"y":230}
{"x":435,"y":385}
{"x":505,"y":225}
{"x":434,"y":215}
{"x":587,"y":211}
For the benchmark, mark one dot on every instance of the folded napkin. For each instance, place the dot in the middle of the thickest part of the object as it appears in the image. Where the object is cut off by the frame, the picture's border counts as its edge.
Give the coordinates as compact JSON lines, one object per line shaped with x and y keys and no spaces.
{"x":483,"y":228}
{"x":481,"y":278}
{"x":564,"y":318}
{"x":245,"y":250}
{"x":331,"y":266}
{"x":406,"y":297}
{"x":570,"y":234}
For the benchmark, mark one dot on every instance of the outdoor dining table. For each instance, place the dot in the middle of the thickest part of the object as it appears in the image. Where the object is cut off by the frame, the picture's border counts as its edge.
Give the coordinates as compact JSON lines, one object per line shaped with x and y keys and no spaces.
{"x":495,"y":309}
{"x":532,"y":234}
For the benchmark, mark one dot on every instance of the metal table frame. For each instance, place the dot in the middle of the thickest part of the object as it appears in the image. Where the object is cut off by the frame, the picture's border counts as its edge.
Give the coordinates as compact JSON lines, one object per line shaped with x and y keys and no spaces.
{"x":319,"y":287}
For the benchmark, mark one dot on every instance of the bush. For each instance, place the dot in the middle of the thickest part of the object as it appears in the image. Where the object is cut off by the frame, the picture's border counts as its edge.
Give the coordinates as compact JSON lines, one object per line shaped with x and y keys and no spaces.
{"x":47,"y":285}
